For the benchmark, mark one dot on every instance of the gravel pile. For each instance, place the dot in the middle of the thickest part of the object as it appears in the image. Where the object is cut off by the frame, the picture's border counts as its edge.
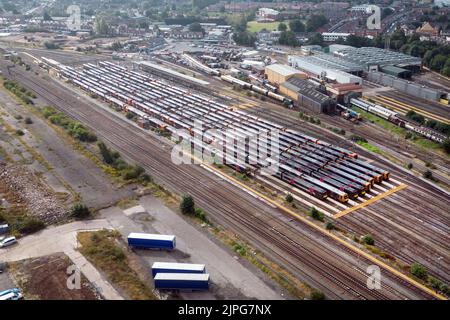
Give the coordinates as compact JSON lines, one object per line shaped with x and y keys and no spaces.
{"x":29,"y":191}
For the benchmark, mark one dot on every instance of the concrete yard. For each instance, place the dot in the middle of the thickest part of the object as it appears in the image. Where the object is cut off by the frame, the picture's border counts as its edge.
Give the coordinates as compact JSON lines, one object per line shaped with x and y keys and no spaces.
{"x":231,"y":277}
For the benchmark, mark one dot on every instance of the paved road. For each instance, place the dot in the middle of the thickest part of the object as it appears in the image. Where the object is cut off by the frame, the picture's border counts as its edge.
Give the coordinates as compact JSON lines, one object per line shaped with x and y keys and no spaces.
{"x":63,"y":239}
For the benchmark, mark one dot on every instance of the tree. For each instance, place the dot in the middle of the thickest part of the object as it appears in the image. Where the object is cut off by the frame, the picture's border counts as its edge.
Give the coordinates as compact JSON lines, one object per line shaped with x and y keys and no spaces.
{"x":288,"y":38}
{"x":46,"y":16}
{"x":282,"y":27}
{"x":386,"y":12}
{"x":101,"y":27}
{"x":296,"y":25}
{"x":438,"y":62}
{"x":315,"y":22}
{"x":244,"y":38}
{"x":419,"y":271}
{"x":187,"y":205}
{"x":316,"y":39}
{"x":80,"y":211}
{"x":196,"y":27}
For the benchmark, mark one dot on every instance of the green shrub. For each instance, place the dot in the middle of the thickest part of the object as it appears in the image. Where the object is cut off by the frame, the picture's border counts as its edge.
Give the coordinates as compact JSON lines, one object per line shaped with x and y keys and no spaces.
{"x":368,"y":239}
{"x":28,"y":120}
{"x":428,"y":174}
{"x":289,"y":198}
{"x":199,"y":213}
{"x":187,"y":205}
{"x":329,"y":226}
{"x":29,"y":225}
{"x":106,"y":153}
{"x":316,"y":214}
{"x":317,"y":295}
{"x":419,"y":271}
{"x":80,"y":211}
{"x":20,"y":132}
{"x":357,"y":138}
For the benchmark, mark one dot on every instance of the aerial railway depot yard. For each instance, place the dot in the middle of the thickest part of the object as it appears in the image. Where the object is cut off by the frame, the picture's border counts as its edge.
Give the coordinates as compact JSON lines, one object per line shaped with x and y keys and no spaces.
{"x":312,"y":150}
{"x":327,"y":172}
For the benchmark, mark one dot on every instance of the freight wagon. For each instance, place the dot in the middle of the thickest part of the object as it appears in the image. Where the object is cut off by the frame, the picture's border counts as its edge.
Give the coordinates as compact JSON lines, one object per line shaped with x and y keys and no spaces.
{"x":169,"y":267}
{"x":182,"y":281}
{"x":151,"y":241}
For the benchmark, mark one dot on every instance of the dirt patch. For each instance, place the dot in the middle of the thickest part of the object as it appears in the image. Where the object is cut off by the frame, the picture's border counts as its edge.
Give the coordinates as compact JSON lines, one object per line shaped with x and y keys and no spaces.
{"x":26,"y":189}
{"x":45,"y":278}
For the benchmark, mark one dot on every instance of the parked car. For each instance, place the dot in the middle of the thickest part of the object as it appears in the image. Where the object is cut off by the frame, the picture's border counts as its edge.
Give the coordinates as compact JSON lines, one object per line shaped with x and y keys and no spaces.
{"x":11,"y":294}
{"x":8,"y":242}
{"x":4,"y":228}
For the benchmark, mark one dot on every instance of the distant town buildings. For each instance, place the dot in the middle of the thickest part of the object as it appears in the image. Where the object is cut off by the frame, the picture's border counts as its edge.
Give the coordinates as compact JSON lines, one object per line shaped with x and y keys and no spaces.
{"x":334,"y":36}
{"x":428,"y":30}
{"x":267,"y":14}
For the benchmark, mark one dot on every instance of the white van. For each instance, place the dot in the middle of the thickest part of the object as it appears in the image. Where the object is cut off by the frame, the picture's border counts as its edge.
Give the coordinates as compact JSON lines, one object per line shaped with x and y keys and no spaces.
{"x":8,"y":242}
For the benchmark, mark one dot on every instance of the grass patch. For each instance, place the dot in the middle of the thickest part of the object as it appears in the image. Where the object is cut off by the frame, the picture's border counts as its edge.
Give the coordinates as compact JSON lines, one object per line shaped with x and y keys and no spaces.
{"x":127,"y":203}
{"x":254,"y":26}
{"x":369,"y":147}
{"x":418,"y":140}
{"x":103,"y":249}
{"x":20,"y":222}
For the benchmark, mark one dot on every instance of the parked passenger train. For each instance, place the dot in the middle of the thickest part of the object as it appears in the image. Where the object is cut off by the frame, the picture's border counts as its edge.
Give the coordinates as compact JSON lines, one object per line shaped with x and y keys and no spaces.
{"x":260,"y":90}
{"x":397,"y":119}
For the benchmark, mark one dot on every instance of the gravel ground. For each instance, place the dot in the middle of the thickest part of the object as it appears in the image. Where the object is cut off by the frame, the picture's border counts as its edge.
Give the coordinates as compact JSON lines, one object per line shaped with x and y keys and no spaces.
{"x":69,"y":166}
{"x":28,"y":189}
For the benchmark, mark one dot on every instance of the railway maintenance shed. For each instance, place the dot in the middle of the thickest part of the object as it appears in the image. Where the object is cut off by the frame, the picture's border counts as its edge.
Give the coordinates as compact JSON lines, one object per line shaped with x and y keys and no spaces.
{"x":279,"y":73}
{"x":308,"y":96}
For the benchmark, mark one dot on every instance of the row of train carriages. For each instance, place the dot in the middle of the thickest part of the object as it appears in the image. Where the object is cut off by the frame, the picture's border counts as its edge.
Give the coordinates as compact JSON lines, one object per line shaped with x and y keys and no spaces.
{"x":397,"y":119}
{"x":269,"y":92}
{"x":313,"y":166}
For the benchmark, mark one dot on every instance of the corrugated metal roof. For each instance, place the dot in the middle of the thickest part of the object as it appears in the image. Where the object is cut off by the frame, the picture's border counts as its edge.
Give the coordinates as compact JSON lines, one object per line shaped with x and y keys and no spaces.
{"x":371,"y":56}
{"x":182,"y":276}
{"x":150,"y":236}
{"x":306,"y":89}
{"x":172,"y":72}
{"x":282,"y":69}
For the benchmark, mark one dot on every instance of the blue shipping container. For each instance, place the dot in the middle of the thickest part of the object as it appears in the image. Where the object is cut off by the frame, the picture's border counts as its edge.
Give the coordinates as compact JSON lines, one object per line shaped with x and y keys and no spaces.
{"x":182,"y":281}
{"x":169,"y":267}
{"x":151,"y":241}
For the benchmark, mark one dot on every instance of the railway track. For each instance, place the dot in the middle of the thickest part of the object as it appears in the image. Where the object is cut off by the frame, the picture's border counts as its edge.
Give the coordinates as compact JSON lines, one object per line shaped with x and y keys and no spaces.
{"x":234,"y":209}
{"x":403,"y":220}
